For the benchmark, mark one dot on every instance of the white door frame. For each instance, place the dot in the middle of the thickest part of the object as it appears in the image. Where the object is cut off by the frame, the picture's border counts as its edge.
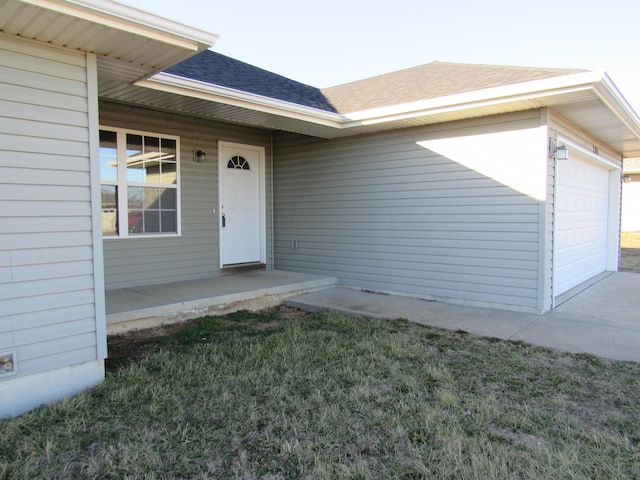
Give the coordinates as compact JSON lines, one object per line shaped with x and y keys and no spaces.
{"x":222,"y":164}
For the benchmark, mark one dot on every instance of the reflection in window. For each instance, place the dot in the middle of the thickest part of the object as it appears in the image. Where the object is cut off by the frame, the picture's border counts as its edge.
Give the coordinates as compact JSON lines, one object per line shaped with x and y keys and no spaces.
{"x":108,"y":180}
{"x":151,"y":210}
{"x":109,"y":194}
{"x":149,"y":188}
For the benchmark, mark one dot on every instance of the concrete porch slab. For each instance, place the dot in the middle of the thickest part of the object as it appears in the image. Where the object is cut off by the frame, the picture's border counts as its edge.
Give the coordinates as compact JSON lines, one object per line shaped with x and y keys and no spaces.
{"x":154,"y":305}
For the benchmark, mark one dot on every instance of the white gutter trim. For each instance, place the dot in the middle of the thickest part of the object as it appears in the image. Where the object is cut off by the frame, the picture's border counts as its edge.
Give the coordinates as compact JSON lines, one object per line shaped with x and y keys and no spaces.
{"x":484,"y":97}
{"x":167,"y":82}
{"x":123,"y":17}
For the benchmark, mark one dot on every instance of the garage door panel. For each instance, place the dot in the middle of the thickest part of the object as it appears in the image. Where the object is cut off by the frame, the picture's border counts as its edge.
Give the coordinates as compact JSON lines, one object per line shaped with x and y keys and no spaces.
{"x":581,"y":222}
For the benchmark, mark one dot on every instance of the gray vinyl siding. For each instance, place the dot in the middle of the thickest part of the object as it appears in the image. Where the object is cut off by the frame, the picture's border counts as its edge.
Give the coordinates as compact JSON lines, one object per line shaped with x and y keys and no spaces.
{"x":195,"y":253}
{"x":47,"y":312}
{"x":384,"y":213}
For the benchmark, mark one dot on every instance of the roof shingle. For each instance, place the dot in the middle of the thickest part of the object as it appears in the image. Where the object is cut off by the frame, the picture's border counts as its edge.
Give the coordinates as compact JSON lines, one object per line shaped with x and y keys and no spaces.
{"x":217,"y":69}
{"x":424,"y":82}
{"x":433,"y":80}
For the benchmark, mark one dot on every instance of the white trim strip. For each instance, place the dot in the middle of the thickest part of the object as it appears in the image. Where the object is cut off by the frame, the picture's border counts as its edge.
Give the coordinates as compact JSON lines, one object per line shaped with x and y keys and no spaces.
{"x":206,"y":91}
{"x":488,"y":96}
{"x":96,"y":208}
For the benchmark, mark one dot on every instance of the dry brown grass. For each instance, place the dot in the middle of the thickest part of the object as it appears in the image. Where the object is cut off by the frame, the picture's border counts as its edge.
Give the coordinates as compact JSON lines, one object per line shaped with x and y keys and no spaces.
{"x":281,"y":394}
{"x":630,"y":244}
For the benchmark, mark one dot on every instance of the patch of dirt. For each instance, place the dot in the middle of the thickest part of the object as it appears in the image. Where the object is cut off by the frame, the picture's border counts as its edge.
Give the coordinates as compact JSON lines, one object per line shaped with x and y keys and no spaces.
{"x":520,"y":439}
{"x":125,"y":348}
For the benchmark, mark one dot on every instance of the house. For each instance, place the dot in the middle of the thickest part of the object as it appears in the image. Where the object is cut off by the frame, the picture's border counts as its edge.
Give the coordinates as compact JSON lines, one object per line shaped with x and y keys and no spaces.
{"x":133,"y":155}
{"x":631,"y":195}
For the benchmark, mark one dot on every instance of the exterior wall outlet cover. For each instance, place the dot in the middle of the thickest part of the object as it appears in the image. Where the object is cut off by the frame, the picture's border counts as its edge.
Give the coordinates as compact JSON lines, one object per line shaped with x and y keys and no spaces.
{"x":8,"y":364}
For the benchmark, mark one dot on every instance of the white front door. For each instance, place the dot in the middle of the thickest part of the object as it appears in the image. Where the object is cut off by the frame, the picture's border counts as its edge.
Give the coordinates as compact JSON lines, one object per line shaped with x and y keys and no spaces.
{"x":242,"y":204}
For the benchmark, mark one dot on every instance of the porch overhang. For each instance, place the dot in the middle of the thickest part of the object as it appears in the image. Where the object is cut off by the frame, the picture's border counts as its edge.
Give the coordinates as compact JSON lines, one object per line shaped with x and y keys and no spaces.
{"x":130,"y":44}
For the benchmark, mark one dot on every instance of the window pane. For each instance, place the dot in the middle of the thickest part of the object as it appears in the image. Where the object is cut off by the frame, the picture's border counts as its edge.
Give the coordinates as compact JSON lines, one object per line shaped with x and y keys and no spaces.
{"x":109,"y":195}
{"x":168,"y":198}
{"x":152,"y":171}
{"x":136,"y":221}
{"x":151,"y":200}
{"x":135,"y":198}
{"x":169,"y":173}
{"x":149,"y":160}
{"x":152,"y":145}
{"x":168,"y":149}
{"x":151,"y":221}
{"x":152,"y":157}
{"x":108,"y":156}
{"x":135,"y":158}
{"x":168,"y":222}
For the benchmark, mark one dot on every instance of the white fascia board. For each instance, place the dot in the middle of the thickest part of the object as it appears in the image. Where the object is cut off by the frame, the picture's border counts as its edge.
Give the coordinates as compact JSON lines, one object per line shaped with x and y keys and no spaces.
{"x":129,"y":19}
{"x":478,"y":98}
{"x":228,"y":96}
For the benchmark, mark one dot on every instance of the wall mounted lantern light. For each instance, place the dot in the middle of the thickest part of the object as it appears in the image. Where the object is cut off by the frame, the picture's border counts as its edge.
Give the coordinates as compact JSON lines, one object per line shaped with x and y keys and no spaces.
{"x":199,"y":155}
{"x":562,"y":152}
{"x":559,"y":152}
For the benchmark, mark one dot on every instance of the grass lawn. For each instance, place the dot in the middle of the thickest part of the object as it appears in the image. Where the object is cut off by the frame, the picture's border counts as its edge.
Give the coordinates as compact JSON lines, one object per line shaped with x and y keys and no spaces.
{"x":630,"y":243}
{"x":280,"y":394}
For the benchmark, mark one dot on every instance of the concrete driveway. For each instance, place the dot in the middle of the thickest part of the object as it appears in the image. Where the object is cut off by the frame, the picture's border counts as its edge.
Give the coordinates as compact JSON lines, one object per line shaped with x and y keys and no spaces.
{"x":603,"y":320}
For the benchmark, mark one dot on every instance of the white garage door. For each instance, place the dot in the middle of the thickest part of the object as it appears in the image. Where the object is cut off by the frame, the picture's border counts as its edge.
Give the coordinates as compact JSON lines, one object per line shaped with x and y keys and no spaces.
{"x":582,"y":205}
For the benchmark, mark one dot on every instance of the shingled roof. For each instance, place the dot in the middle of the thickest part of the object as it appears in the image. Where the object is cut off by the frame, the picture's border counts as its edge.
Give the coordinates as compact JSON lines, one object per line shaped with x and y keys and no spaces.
{"x":433,"y":80}
{"x":217,"y":69}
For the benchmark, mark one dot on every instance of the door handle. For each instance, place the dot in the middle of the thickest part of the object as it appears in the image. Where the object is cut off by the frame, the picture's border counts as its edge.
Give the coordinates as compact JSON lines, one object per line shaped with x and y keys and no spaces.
{"x":224,"y":221}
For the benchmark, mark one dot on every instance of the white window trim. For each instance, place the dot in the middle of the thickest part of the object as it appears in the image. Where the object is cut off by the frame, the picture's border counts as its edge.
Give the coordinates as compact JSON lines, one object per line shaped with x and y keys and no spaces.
{"x":122,"y":182}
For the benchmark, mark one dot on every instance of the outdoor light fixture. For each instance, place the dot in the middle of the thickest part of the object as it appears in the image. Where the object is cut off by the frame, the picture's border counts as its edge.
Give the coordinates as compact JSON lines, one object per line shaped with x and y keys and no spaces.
{"x":198,"y":155}
{"x":626,"y":178}
{"x":562,"y":152}
{"x":559,"y":152}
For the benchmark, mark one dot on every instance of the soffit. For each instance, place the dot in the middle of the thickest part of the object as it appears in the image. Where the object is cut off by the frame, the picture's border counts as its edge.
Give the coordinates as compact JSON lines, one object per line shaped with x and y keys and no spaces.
{"x":129,"y":43}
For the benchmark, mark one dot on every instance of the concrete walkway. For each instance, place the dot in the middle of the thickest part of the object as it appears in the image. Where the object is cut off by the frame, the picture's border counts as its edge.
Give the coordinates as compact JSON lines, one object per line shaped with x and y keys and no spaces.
{"x":603,"y":320}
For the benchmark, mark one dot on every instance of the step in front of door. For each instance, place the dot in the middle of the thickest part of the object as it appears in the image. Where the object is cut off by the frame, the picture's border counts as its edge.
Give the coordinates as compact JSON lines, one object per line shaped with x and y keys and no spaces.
{"x":242,"y":268}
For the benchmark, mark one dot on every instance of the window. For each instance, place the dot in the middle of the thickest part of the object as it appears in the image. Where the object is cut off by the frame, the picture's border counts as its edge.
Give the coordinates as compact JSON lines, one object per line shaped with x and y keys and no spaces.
{"x":139,"y":183}
{"x":238,"y":162}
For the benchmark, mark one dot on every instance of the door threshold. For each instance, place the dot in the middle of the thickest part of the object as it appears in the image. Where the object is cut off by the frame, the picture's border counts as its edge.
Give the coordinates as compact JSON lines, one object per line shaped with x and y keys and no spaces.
{"x":242,"y":268}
